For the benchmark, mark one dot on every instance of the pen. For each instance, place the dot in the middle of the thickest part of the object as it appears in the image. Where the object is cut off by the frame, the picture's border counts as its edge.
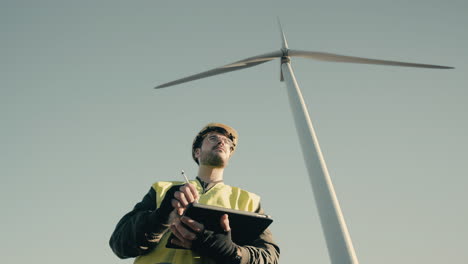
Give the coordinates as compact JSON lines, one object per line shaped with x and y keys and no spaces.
{"x":187,"y":181}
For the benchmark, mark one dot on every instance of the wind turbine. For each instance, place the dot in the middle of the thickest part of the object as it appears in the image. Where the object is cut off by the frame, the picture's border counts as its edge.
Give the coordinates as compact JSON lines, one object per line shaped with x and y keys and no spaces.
{"x":338,"y":240}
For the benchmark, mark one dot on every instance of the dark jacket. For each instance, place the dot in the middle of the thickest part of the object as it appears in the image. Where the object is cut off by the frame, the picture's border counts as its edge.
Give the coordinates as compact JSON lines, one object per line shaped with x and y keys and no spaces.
{"x":129,"y":237}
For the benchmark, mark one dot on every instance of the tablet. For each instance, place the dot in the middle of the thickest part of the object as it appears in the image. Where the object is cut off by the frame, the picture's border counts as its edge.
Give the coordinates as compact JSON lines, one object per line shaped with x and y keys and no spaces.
{"x":245,"y":226}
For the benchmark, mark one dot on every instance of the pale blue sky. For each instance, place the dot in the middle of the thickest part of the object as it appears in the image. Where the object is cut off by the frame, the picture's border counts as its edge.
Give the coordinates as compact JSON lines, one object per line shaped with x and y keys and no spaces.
{"x":84,"y":135}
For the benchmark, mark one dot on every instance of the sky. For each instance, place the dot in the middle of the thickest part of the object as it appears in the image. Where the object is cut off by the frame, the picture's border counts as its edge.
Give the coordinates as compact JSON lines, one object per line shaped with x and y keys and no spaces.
{"x":84,"y":134}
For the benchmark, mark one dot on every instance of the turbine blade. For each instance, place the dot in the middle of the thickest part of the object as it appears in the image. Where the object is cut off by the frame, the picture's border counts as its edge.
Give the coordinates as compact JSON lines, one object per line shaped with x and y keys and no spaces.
{"x":283,"y":37}
{"x":249,"y":62}
{"x":341,"y":58}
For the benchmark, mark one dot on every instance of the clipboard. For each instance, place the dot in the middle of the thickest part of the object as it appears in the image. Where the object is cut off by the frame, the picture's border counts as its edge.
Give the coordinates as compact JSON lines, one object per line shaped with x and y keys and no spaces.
{"x":245,"y":226}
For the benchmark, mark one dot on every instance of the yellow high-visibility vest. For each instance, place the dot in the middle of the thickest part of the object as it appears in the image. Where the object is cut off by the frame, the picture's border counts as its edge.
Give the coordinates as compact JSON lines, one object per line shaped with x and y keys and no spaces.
{"x":219,"y":195}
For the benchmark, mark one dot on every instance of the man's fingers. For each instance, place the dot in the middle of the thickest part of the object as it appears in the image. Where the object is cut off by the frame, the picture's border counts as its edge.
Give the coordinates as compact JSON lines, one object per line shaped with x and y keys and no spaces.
{"x":180,"y":211}
{"x":194,"y":225}
{"x":178,"y":207}
{"x":182,"y":232}
{"x":180,"y":196}
{"x":186,"y":194}
{"x":224,"y":222}
{"x":190,"y":192}
{"x":176,"y":232}
{"x":175,"y":203}
{"x":187,"y":191}
{"x":194,"y":191}
{"x":179,"y":239}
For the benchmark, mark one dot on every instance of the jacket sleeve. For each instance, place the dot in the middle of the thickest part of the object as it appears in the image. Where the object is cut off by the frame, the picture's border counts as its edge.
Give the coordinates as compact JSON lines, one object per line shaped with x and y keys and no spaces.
{"x":129,"y":238}
{"x":263,"y":250}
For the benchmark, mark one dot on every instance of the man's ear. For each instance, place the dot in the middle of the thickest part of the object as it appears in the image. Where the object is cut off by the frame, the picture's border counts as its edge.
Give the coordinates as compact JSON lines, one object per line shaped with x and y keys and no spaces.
{"x":197,"y":153}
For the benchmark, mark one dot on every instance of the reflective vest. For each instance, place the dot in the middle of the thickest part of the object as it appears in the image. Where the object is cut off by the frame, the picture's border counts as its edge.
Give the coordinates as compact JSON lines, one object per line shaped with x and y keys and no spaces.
{"x":219,"y":195}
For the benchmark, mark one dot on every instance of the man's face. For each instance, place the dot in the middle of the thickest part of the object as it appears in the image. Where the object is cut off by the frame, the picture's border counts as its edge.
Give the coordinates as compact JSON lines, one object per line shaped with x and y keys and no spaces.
{"x":215,"y":150}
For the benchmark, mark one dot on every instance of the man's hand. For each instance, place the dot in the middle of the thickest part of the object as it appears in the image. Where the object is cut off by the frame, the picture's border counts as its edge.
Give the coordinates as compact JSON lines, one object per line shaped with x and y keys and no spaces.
{"x":186,"y":195}
{"x":172,"y":207}
{"x":183,"y":227}
{"x":224,"y":222}
{"x":218,"y":246}
{"x":185,"y":230}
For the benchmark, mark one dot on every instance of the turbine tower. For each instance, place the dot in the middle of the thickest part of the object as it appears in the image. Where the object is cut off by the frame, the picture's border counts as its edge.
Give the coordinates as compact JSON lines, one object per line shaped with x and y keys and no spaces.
{"x":338,"y":240}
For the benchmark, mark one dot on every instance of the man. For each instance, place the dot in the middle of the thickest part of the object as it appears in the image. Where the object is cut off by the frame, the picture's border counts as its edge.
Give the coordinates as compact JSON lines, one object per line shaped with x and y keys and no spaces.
{"x":144,"y":232}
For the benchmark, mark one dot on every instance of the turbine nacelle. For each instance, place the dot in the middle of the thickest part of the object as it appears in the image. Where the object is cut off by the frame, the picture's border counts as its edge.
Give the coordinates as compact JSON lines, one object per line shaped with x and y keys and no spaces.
{"x":284,"y":59}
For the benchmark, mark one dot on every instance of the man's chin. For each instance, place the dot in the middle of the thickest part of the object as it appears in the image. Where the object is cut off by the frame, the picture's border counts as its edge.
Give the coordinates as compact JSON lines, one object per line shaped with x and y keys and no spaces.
{"x":215,"y":159}
{"x":216,"y":163}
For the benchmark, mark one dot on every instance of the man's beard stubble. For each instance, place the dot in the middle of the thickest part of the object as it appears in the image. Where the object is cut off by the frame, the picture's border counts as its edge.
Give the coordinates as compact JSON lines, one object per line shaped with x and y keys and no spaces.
{"x":213,"y":160}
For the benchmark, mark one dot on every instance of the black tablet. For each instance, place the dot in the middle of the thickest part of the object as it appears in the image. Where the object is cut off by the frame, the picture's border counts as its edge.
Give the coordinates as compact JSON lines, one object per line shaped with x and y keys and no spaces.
{"x":245,"y":226}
